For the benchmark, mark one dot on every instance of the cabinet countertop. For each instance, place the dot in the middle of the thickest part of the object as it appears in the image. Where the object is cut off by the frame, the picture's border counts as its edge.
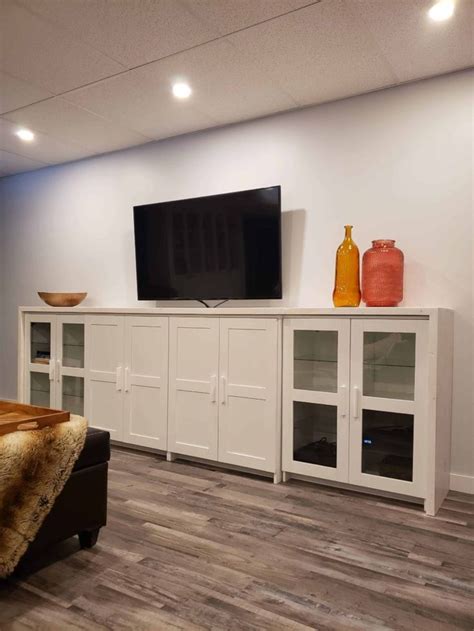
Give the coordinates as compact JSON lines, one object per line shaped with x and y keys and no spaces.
{"x":425,"y":312}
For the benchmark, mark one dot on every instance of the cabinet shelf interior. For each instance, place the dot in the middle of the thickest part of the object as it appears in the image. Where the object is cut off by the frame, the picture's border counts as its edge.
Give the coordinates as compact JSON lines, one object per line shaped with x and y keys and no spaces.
{"x":317,"y":361}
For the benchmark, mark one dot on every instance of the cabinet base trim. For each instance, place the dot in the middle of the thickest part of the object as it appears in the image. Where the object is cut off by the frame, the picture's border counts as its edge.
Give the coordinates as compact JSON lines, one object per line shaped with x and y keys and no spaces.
{"x":132,"y":447}
{"x":172,"y":456}
{"x":351,"y":487}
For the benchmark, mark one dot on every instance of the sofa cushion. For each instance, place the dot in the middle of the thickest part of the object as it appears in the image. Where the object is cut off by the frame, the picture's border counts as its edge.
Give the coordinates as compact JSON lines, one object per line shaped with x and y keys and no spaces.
{"x":96,"y":449}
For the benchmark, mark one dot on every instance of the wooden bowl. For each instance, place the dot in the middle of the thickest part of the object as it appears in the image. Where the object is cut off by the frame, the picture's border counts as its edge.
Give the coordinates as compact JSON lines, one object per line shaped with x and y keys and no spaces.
{"x":62,"y":299}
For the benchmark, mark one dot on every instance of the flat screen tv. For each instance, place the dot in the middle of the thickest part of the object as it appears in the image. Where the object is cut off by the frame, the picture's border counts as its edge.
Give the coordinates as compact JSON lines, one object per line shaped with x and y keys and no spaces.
{"x":219,"y":247}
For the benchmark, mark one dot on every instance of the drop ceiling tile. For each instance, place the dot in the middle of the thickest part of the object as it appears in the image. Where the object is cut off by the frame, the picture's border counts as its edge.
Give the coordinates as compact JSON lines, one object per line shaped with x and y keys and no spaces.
{"x":414,"y":45}
{"x":227,"y":85}
{"x":131,"y":31}
{"x":38,"y":52}
{"x":226,"y":88}
{"x":11,"y":163}
{"x":71,"y":124}
{"x":316,"y":54}
{"x":16,"y":93}
{"x":141,"y":100}
{"x":43,"y":148}
{"x":226,"y":16}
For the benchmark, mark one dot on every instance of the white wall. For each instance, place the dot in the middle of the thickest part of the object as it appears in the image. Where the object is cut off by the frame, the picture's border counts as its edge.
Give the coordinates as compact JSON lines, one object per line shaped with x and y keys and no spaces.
{"x":395,"y":164}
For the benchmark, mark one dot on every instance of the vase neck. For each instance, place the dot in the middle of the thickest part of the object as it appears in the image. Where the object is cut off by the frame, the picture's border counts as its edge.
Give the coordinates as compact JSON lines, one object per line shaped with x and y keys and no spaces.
{"x":348,"y":234}
{"x":383,"y":243}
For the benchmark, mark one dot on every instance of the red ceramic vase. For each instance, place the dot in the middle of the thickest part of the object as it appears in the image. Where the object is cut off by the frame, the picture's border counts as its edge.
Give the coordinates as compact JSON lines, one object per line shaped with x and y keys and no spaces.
{"x":382,"y":274}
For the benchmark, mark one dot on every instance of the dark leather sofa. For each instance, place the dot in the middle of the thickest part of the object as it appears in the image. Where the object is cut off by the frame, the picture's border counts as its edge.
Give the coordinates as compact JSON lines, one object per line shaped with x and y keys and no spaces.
{"x":81,"y":507}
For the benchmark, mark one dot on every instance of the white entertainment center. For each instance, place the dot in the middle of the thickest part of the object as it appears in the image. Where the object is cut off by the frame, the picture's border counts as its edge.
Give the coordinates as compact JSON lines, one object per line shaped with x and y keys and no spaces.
{"x":358,"y":397}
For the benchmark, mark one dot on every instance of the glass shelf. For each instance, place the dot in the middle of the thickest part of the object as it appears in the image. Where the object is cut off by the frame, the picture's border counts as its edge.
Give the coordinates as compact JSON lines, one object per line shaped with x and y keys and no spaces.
{"x":73,"y":394}
{"x":40,"y":342}
{"x":40,"y":392}
{"x":73,"y":345}
{"x":387,"y":444}
{"x":315,"y":361}
{"x":315,"y":433}
{"x":311,"y":359}
{"x":389,"y":365}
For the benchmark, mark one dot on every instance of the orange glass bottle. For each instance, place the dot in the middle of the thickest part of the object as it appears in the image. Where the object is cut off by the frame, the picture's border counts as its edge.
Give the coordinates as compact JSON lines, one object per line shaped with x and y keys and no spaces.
{"x":346,"y":286}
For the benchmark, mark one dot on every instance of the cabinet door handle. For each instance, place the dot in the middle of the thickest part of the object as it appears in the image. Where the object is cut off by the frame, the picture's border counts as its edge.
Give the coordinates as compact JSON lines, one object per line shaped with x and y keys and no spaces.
{"x":127,"y":379}
{"x":223,"y":390}
{"x":52,"y":365}
{"x":118,"y":379}
{"x":343,"y":401}
{"x":355,"y":402}
{"x":213,"y":390}
{"x":59,"y":368}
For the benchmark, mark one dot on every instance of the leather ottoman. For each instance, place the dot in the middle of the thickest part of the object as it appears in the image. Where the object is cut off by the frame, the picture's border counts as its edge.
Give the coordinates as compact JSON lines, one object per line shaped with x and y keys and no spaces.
{"x":81,"y":507}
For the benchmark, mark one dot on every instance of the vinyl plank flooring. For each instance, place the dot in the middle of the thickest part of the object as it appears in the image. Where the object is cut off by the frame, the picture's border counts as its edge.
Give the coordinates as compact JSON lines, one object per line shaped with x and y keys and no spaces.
{"x":194,"y":547}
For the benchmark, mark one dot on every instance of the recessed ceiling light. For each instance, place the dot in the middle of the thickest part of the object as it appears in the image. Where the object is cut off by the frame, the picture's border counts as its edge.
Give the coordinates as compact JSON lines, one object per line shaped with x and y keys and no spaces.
{"x":181,"y":90}
{"x":442,"y":10}
{"x":25,"y":134}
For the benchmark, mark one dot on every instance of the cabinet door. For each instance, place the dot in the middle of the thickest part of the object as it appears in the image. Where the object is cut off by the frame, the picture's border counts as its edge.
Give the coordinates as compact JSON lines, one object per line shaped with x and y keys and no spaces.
{"x":40,"y":360}
{"x":146,"y":381}
{"x":70,"y":334}
{"x":248,"y":373}
{"x":388,"y":384}
{"x":316,"y":397}
{"x":104,"y":373}
{"x":193,"y":370}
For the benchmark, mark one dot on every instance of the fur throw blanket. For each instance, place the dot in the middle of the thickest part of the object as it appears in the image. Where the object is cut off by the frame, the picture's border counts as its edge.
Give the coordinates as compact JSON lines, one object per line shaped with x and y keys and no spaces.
{"x":34,"y":467}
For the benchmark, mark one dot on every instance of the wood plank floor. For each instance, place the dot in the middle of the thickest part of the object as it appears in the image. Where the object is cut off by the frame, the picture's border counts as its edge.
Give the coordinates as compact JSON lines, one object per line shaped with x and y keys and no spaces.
{"x":192,"y":547}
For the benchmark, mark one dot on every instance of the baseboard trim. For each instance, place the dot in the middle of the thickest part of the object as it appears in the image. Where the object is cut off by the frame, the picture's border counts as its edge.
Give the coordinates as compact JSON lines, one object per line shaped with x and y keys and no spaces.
{"x":462,"y":483}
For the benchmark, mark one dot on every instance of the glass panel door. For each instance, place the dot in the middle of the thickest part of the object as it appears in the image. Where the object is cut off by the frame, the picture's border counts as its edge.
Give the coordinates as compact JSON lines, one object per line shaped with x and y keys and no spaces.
{"x":39,"y":359}
{"x":387,"y":380}
{"x":73,"y":345}
{"x":316,"y":380}
{"x":315,"y":360}
{"x":315,"y":433}
{"x":387,"y":444}
{"x":389,"y":365}
{"x":73,"y":394}
{"x":40,"y":389}
{"x":40,"y":343}
{"x":70,"y":364}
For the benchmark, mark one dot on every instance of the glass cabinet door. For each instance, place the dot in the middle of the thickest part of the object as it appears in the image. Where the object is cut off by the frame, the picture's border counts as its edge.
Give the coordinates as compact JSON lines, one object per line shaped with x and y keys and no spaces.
{"x":387,"y":378}
{"x":39,"y":351}
{"x":70,"y":364}
{"x":316,"y":369}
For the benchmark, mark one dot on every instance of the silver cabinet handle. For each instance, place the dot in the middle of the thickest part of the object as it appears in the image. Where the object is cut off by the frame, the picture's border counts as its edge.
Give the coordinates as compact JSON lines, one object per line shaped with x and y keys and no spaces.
{"x":356,"y":402}
{"x":127,"y":379}
{"x":213,"y":390}
{"x":343,"y":404}
{"x":118,"y":379}
{"x":223,"y":390}
{"x":52,"y":365}
{"x":59,"y":368}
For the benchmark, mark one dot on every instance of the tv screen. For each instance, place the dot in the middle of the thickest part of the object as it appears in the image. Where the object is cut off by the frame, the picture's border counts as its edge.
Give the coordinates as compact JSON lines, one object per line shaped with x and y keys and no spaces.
{"x":219,"y":247}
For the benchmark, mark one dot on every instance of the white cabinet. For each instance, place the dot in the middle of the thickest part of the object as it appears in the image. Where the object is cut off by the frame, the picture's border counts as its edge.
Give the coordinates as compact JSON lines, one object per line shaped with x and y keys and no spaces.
{"x":54,"y":362}
{"x":126,"y":377}
{"x":388,"y":408}
{"x":146,"y":382}
{"x":193,"y":373}
{"x":248,"y":392}
{"x":316,"y":397}
{"x":223,"y":398}
{"x":351,"y":396}
{"x":104,"y":373}
{"x":355,"y":402}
